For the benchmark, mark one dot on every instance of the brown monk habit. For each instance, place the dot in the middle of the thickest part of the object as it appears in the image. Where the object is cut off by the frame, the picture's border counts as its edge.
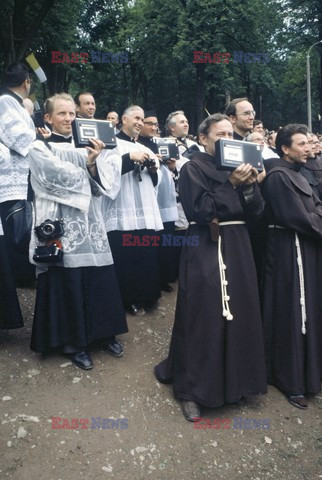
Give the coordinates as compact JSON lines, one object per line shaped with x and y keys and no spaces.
{"x":291,"y":303}
{"x":213,"y":360}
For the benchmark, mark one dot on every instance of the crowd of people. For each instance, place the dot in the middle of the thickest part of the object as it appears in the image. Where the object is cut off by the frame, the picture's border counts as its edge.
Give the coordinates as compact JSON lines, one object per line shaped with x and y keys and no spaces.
{"x":112,"y":228}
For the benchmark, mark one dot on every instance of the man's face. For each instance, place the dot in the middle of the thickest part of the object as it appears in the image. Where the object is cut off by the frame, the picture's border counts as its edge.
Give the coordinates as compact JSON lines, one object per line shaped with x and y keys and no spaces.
{"x":259,"y":128}
{"x":113,"y":117}
{"x":61,"y":119}
{"x":271,"y":139}
{"x":244,"y":118}
{"x":181,"y":127}
{"x":150,"y":127}
{"x":311,"y":146}
{"x":316,"y":145}
{"x":222,"y":129}
{"x":87,"y":107}
{"x":258,"y":138}
{"x":299,"y":150}
{"x":133,"y":123}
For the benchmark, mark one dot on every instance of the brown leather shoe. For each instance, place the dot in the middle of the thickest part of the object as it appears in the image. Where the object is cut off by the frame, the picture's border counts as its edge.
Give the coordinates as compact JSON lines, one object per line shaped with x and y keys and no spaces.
{"x":190,"y":410}
{"x":298,"y":401}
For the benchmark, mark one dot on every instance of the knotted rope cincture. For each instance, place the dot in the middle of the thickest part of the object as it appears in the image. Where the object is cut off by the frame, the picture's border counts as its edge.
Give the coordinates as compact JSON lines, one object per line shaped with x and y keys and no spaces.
{"x":224,"y":284}
{"x":301,"y":279}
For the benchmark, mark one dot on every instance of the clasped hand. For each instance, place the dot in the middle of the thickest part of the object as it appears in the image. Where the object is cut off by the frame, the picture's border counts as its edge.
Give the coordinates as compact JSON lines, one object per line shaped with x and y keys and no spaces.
{"x":243,"y":174}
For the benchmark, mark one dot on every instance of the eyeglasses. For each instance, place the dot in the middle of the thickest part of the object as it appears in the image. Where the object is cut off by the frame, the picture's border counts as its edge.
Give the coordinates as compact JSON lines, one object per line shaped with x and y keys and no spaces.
{"x":249,"y":113}
{"x":151,"y":124}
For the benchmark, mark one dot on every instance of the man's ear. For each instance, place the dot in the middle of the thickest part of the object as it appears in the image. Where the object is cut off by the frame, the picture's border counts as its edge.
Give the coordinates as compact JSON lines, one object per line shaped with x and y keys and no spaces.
{"x":285,"y":149}
{"x":232,"y":119}
{"x":203,"y":139}
{"x":47,"y":118}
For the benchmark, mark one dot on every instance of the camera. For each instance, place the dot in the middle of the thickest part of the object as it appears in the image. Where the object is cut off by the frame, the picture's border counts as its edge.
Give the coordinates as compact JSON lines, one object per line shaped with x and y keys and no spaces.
{"x":149,"y":162}
{"x":167,"y":149}
{"x":229,"y":154}
{"x":86,"y":128}
{"x":50,"y":230}
{"x":48,"y":254}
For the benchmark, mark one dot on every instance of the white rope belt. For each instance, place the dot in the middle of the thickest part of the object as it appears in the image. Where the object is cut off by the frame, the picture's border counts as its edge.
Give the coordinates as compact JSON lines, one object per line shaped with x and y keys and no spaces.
{"x":222,"y":272}
{"x":276,"y":226}
{"x":233,"y":222}
{"x":301,"y":277}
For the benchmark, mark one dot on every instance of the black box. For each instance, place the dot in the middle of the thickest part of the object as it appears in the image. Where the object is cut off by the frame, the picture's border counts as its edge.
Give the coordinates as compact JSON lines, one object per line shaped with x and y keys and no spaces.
{"x":229,"y":154}
{"x":38,"y":119}
{"x":86,"y":128}
{"x":167,"y":149}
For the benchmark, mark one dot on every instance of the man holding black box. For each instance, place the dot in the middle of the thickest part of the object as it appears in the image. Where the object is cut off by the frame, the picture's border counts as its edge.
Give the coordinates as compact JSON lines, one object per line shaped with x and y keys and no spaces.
{"x":135,"y":212}
{"x":78,"y":300}
{"x":216,"y":354}
{"x":166,"y":195}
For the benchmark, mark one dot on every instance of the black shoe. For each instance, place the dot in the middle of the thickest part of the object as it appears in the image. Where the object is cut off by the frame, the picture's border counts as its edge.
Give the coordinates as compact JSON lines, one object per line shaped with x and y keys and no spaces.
{"x":190,"y":410}
{"x":298,"y":401}
{"x":114,"y":348}
{"x":81,"y":360}
{"x":137,"y":311}
{"x":167,"y":288}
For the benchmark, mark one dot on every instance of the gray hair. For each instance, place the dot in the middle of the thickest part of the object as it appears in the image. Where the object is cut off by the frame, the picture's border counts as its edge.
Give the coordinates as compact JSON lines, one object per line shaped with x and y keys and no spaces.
{"x":131,"y":109}
{"x":250,"y":136}
{"x":171,"y":120}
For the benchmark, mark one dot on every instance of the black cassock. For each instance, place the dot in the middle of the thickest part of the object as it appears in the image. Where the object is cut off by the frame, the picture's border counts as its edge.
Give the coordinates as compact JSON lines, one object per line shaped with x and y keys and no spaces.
{"x":293,"y":358}
{"x":213,"y":360}
{"x":10,"y":313}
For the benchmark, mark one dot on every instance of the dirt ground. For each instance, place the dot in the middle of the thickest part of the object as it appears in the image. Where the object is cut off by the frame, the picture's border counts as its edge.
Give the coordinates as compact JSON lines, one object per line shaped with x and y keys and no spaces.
{"x":151,"y":438}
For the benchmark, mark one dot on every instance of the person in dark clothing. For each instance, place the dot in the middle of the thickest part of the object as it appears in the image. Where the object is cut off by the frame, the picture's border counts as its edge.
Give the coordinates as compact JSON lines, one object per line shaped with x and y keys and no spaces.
{"x":291,"y":290}
{"x":216,"y":353}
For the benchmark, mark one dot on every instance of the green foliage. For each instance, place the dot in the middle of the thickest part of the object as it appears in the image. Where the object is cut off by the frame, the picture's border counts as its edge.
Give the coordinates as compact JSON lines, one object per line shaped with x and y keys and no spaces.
{"x":160,"y":37}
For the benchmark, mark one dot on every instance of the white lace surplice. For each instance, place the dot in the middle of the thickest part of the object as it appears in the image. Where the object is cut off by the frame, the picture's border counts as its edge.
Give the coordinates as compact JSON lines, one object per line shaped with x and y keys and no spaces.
{"x":167,"y":198}
{"x":65,"y":190}
{"x":17,"y":132}
{"x":135,"y":206}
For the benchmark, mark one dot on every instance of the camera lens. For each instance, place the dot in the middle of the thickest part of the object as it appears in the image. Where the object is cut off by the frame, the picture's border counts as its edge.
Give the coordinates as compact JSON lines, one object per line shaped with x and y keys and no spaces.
{"x":48,"y":229}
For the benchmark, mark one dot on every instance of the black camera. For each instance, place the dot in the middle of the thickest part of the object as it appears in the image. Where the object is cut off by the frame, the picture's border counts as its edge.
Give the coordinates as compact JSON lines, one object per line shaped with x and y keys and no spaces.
{"x":167,"y":149}
{"x":149,"y":162}
{"x":50,"y":230}
{"x":48,"y":254}
{"x":229,"y":154}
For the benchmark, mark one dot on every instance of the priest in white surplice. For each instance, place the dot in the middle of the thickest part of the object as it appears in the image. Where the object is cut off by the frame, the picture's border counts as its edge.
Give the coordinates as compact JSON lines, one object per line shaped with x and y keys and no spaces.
{"x":135,"y":211}
{"x":17,"y":132}
{"x":78,"y":300}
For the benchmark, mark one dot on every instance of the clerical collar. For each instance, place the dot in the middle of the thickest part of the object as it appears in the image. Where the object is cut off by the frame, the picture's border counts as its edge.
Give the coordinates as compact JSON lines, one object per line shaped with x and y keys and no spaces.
{"x":236,"y":136}
{"x":57,"y":138}
{"x":149,"y":143}
{"x":122,"y":136}
{"x":19,"y":99}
